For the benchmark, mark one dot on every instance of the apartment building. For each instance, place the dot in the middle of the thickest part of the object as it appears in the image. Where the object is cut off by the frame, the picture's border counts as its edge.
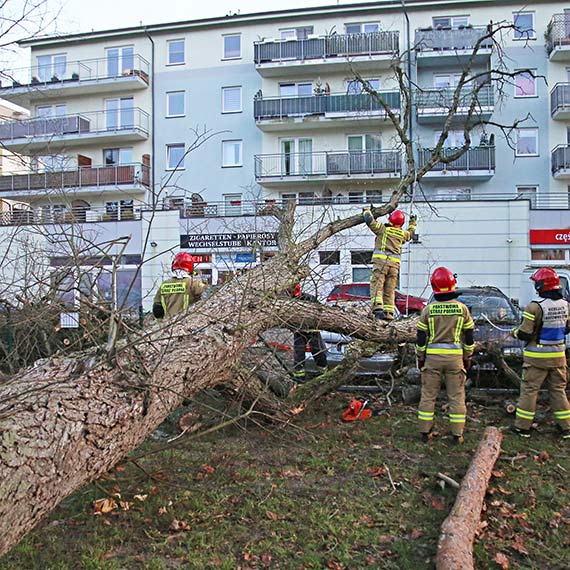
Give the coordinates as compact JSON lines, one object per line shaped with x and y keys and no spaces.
{"x":208,"y":121}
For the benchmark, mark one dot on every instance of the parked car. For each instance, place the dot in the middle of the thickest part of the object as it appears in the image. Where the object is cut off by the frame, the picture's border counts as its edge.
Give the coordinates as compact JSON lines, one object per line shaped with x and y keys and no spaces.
{"x":361,"y":292}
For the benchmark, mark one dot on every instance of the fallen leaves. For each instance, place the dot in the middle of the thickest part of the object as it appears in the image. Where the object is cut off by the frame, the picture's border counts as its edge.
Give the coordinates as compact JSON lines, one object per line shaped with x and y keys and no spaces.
{"x":376,"y":471}
{"x":104,"y":506}
{"x":177,"y":525}
{"x":502,"y":561}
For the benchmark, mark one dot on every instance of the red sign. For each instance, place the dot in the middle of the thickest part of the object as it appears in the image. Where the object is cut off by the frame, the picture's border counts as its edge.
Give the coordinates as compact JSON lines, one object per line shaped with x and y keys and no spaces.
{"x":205,"y":258}
{"x":557,"y":237}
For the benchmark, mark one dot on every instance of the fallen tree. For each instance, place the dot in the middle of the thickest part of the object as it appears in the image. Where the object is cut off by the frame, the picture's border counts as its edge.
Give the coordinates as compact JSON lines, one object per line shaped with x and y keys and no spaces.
{"x":455,"y":547}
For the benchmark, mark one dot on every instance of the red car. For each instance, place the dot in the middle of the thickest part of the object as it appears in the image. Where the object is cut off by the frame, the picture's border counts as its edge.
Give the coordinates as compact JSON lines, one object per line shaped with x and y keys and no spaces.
{"x":361,"y":292}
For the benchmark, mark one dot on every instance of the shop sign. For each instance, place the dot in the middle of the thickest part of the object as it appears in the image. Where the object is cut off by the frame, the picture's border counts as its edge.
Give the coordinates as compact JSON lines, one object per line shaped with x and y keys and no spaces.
{"x":203,"y":258}
{"x":556,"y":237}
{"x":228,"y":241}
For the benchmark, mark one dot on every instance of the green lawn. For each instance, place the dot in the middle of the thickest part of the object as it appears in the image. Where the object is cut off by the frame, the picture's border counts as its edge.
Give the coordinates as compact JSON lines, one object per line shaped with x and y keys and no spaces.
{"x":316,"y":494}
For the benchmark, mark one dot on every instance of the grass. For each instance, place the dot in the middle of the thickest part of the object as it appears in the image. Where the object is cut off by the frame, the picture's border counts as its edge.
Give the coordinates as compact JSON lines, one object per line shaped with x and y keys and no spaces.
{"x":319,"y":494}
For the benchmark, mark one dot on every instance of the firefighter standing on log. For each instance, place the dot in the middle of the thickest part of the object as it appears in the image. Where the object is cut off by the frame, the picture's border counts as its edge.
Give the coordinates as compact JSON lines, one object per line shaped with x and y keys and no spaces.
{"x":444,"y":349}
{"x":179,"y":292}
{"x":386,"y":260}
{"x":544,"y":325}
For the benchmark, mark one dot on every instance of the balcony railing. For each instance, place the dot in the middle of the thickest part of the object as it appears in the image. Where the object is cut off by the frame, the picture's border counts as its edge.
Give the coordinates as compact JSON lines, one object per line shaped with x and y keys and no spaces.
{"x":451,"y":39}
{"x":560,"y":98}
{"x":481,"y":158}
{"x":82,"y":177}
{"x":560,"y":158}
{"x":335,"y":163}
{"x":72,"y":73}
{"x":443,"y":98}
{"x":558,"y":32}
{"x":82,"y":124}
{"x":338,"y":45}
{"x":363,"y":103}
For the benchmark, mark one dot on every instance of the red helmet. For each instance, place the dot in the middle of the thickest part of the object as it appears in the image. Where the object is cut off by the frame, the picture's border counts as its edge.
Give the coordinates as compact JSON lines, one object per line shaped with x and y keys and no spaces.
{"x":443,"y":281}
{"x":184,"y":261}
{"x":545,"y":279}
{"x":397,"y":218}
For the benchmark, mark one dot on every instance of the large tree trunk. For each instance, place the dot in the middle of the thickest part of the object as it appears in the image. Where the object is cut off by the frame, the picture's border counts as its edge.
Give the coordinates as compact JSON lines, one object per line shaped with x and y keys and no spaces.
{"x":455,"y":548}
{"x":66,"y":421}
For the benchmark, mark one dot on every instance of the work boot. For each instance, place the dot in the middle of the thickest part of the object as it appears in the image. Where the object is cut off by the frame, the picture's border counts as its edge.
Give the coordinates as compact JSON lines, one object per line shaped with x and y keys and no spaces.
{"x":458,"y":440}
{"x":426,"y":436}
{"x":389,"y":317}
{"x":299,"y":377}
{"x":379,"y":314}
{"x":564,"y":434}
{"x":520,"y":431}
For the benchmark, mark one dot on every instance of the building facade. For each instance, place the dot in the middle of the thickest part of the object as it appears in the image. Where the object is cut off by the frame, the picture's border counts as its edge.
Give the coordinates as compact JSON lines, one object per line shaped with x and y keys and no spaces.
{"x":205,"y":123}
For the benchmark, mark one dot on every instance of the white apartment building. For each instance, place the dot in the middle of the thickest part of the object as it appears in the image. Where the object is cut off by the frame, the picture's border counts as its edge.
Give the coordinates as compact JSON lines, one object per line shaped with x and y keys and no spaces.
{"x":208,"y":121}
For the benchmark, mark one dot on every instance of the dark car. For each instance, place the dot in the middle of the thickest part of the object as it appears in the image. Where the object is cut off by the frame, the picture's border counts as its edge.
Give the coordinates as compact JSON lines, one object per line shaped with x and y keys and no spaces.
{"x":361,"y":292}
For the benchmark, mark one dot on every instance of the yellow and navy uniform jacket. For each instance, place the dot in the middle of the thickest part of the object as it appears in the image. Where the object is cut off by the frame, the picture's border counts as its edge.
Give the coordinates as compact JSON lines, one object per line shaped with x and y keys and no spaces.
{"x":445,"y":329}
{"x":544,"y":326}
{"x":389,"y":241}
{"x":176,"y":295}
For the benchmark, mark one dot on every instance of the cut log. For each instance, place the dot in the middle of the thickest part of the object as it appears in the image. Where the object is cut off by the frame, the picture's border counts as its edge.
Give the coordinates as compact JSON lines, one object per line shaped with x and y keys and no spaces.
{"x":455,"y":547}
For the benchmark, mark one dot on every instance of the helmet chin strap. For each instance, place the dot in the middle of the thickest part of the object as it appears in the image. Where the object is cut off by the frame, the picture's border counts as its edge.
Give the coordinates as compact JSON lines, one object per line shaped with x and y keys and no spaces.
{"x":180,"y":273}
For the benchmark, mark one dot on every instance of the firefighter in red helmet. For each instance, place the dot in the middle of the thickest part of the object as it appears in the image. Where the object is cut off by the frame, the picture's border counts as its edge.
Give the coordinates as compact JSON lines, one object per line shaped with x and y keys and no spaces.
{"x":180,"y":291}
{"x":444,"y":348}
{"x":386,"y":260}
{"x":545,"y":323}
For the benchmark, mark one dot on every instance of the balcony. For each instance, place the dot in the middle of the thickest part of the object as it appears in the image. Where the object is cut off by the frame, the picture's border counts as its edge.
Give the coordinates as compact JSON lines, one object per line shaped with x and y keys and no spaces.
{"x":342,"y":166}
{"x":85,"y":180}
{"x":39,"y":133}
{"x":478,"y":163}
{"x":85,"y":77}
{"x":560,"y":101}
{"x":291,"y":113}
{"x":433,"y":104}
{"x":558,"y":38}
{"x":326,"y":53}
{"x":451,"y":46}
{"x":560,"y":162}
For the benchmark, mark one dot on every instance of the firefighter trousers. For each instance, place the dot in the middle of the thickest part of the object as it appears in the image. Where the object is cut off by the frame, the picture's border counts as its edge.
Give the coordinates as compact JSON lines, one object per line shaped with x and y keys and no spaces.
{"x":383,"y":283}
{"x":317,"y":346}
{"x":451,"y":371}
{"x":532,"y":381}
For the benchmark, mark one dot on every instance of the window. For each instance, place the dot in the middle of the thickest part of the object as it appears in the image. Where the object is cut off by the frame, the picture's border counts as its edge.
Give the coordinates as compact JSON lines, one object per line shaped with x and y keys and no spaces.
{"x":51,"y":163}
{"x":527,"y":193}
{"x":232,"y":204}
{"x":444,"y":81}
{"x":355,"y":197}
{"x":295,"y":89}
{"x":307,"y":198}
{"x":363,"y":28}
{"x":450,"y":22}
{"x":361,"y":274}
{"x":120,"y":113}
{"x":47,"y":111}
{"x":175,"y":52}
{"x":120,"y":60}
{"x":175,"y":106}
{"x":360,"y":257}
{"x":52,"y":67}
{"x":527,"y":142}
{"x":231,"y":100}
{"x":232,"y":46}
{"x":329,"y":257}
{"x":231,"y":153}
{"x":547,"y":254}
{"x":444,"y":194}
{"x":175,"y":156}
{"x":454,"y":139}
{"x":115,"y":156}
{"x":296,"y":33}
{"x":373,"y":196}
{"x":525,"y":84}
{"x":361,"y":143}
{"x":524,"y":26}
{"x":354,"y":87}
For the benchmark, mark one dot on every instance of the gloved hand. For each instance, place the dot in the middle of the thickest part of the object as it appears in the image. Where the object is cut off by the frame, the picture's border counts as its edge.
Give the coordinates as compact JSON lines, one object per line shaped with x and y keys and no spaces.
{"x":467,"y":363}
{"x":513,"y":332}
{"x":367,"y":215}
{"x":413,"y":218}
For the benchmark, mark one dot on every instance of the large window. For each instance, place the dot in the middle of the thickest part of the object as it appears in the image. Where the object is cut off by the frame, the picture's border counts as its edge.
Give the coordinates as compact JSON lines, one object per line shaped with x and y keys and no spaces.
{"x":362,"y":28}
{"x":175,"y":106}
{"x":446,"y":80}
{"x":175,"y":52}
{"x":231,"y":100}
{"x":175,"y":156}
{"x":52,"y":67}
{"x":296,"y":33}
{"x":120,"y":113}
{"x":48,"y":111}
{"x":354,"y":87}
{"x":231,"y":153}
{"x":440,"y":22}
{"x":547,"y":254}
{"x":524,"y":26}
{"x":232,"y":46}
{"x":360,"y":257}
{"x":525,"y":84}
{"x":295,"y":89}
{"x":329,"y":257}
{"x":120,"y":60}
{"x":527,"y":142}
{"x":116,"y":156}
{"x":454,"y":139}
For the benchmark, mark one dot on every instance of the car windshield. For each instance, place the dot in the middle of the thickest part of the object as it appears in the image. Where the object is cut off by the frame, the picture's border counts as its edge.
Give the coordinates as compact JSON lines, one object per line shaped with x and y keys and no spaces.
{"x":496,"y":308}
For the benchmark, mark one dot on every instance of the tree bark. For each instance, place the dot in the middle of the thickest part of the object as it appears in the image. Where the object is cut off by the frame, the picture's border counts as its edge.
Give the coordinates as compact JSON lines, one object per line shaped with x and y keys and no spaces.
{"x":455,"y":547}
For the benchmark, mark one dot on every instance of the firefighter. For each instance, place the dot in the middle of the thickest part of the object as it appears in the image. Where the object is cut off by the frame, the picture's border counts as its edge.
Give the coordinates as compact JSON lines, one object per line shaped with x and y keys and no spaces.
{"x":301,"y":338}
{"x":180,"y":291}
{"x":544,"y":325}
{"x":444,"y":348}
{"x":386,"y":260}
